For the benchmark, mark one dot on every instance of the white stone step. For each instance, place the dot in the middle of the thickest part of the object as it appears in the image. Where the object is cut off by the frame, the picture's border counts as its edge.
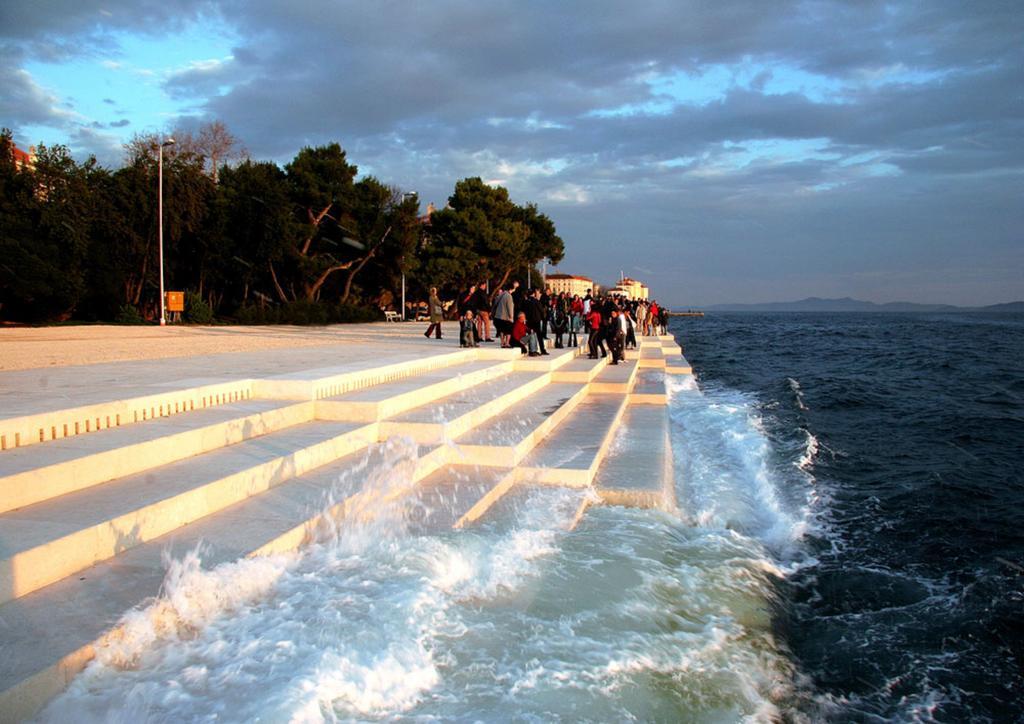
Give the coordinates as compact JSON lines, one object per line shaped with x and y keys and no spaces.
{"x":102,"y":411}
{"x":677,"y":365}
{"x":506,"y":438}
{"x":35,"y":473}
{"x":455,"y":414}
{"x":391,"y":398}
{"x":581,"y":369}
{"x":649,"y":388}
{"x":638,"y":470}
{"x":573,"y":451}
{"x":444,"y":497}
{"x":616,"y":378}
{"x":42,"y":543}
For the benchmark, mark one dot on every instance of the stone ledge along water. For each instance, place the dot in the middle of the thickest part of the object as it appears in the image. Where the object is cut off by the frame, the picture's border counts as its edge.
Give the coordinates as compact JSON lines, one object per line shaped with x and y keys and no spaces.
{"x":259,"y":459}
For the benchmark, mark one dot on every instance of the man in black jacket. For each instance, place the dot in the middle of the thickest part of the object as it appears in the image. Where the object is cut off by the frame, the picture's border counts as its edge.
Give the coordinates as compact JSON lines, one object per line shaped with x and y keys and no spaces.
{"x":482,"y":307}
{"x":545,"y":305}
{"x":535,"y":316}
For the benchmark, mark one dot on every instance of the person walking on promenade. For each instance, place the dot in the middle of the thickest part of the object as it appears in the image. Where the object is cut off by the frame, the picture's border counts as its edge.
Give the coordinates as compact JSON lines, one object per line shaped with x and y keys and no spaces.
{"x":482,"y":310}
{"x":436,"y":311}
{"x":503,"y":313}
{"x":534,"y":317}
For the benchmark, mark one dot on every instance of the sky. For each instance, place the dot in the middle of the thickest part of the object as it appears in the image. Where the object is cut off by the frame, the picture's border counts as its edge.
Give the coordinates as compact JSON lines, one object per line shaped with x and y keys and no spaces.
{"x":721,"y":152}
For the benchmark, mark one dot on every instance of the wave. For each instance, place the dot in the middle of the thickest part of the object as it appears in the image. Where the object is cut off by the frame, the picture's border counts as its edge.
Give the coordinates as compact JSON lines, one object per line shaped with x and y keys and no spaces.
{"x":798,"y":393}
{"x":351,"y":627}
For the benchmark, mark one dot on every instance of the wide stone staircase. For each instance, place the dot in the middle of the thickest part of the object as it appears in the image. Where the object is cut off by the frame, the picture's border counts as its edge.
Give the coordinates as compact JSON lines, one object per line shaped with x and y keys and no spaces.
{"x":93,"y":497}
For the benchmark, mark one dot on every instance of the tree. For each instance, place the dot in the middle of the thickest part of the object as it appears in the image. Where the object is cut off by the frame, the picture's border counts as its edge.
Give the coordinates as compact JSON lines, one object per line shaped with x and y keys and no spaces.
{"x":213,"y":144}
{"x":482,"y":234}
{"x":321,"y":186}
{"x":48,"y":216}
{"x":258,"y":225}
{"x":132,"y":231}
{"x":388,"y":228}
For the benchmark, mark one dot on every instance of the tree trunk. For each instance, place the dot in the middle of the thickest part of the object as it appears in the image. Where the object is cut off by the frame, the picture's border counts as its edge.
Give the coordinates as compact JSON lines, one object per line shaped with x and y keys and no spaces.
{"x":277,"y":285}
{"x":313,"y":290}
{"x":314,"y":220}
{"x":352,"y":274}
{"x":501,"y":285}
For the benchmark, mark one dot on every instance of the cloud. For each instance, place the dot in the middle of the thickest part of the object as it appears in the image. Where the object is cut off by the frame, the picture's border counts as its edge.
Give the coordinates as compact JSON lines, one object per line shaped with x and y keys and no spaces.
{"x":25,"y":102}
{"x":776,"y":139}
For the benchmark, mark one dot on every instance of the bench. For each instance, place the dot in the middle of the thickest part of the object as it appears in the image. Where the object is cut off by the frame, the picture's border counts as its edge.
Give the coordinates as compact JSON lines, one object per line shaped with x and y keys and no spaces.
{"x":390,"y":316}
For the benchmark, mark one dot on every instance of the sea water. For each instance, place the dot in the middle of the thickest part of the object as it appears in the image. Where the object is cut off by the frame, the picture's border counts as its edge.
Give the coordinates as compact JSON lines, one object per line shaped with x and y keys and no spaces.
{"x":798,"y":581}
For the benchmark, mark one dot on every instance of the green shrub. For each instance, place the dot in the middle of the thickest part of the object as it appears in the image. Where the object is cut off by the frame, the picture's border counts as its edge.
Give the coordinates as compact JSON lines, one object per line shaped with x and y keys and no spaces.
{"x":308,"y":313}
{"x":128,"y":314}
{"x":197,"y":311}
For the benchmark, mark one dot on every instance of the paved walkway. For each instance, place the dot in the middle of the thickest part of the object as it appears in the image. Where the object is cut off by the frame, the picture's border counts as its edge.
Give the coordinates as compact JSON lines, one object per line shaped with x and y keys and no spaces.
{"x":137,"y":361}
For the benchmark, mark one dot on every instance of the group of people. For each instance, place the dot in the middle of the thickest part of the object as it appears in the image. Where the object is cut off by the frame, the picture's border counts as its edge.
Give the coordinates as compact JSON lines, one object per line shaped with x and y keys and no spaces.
{"x":524,"y":318}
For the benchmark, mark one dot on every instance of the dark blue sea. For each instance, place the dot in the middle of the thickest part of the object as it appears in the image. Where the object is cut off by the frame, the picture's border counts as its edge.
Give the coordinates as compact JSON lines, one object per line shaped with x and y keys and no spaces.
{"x":904,"y":596}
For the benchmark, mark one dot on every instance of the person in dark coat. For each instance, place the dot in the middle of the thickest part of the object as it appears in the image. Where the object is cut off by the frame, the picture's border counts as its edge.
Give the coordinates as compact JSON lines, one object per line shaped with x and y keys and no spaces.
{"x":535,"y":317}
{"x":482,"y":308}
{"x":616,"y":336}
{"x":559,"y":324}
{"x":465,"y":303}
{"x":545,"y":305}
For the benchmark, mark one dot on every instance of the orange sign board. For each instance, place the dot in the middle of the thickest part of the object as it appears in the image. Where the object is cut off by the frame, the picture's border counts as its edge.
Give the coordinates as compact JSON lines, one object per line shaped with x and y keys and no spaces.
{"x":175,"y":301}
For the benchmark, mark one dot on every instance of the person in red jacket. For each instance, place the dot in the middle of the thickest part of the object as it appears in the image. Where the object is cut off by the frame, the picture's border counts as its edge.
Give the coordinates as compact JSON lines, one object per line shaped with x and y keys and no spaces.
{"x":522,"y":336}
{"x":594,"y":327}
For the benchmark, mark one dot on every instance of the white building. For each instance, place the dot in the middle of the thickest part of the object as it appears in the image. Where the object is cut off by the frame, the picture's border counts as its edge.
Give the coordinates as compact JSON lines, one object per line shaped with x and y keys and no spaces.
{"x":570,"y":284}
{"x":631,"y":289}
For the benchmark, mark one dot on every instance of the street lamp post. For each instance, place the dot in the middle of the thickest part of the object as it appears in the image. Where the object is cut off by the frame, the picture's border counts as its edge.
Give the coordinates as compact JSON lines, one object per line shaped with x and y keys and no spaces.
{"x":406,"y":195}
{"x":160,"y":224}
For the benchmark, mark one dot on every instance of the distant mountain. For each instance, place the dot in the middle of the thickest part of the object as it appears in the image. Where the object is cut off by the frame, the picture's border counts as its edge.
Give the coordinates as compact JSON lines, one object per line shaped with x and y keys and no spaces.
{"x":846,"y":304}
{"x":1016,"y":307}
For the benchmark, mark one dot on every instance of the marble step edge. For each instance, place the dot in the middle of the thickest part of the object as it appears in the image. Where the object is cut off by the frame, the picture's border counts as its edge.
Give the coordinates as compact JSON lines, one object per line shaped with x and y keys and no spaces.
{"x":579,"y":477}
{"x":49,"y":481}
{"x":663,"y":497}
{"x":295,"y":386}
{"x":58,"y":424}
{"x":677,"y":365}
{"x":621,"y":387}
{"x":508,"y":456}
{"x":34,"y":568}
{"x":65,"y":422}
{"x":432,"y":433}
{"x":371,"y":411}
{"x":586,"y":375}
